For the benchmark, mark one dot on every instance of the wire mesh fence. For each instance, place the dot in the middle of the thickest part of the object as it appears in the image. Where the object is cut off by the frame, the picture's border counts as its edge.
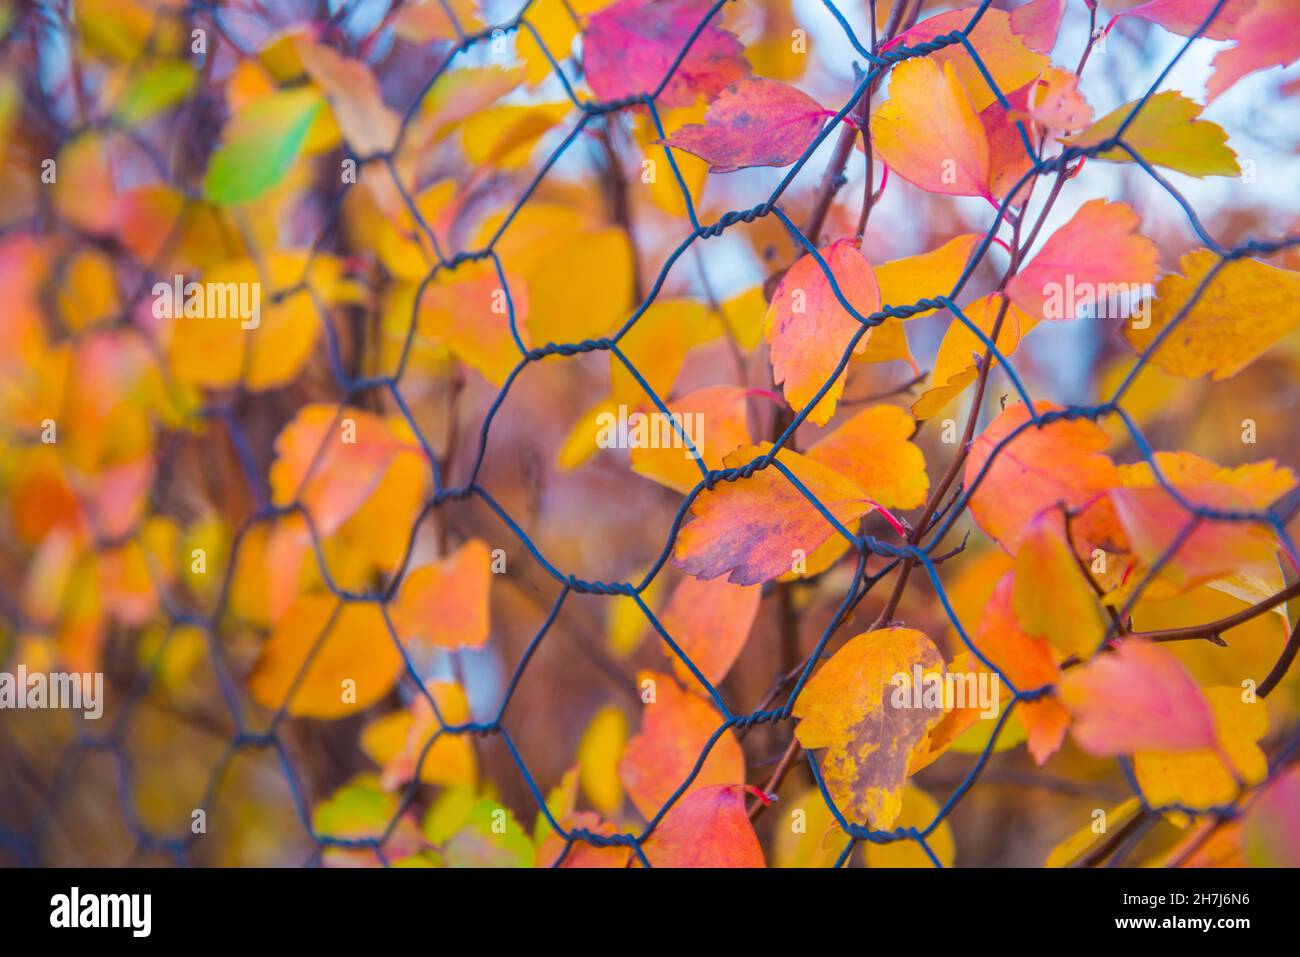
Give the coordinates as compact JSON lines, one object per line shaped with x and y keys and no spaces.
{"x":920,"y":551}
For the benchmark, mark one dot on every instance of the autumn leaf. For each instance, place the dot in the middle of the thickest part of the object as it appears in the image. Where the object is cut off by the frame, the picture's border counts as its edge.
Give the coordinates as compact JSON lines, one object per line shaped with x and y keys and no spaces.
{"x":468,"y":312}
{"x":503,"y":137}
{"x":1212,"y":776}
{"x":808,"y":328}
{"x":1061,"y":462}
{"x":261,"y":341}
{"x":541,"y":244}
{"x":955,"y":364}
{"x":1242,"y":312}
{"x":447,"y":602}
{"x":1137,"y":699}
{"x":1166,"y":132}
{"x":260,"y":143}
{"x":675,"y":728}
{"x":906,"y":281}
{"x":708,"y":827}
{"x":581,"y":854}
{"x":751,"y":530}
{"x":721,"y":416}
{"x":1267,"y":36}
{"x":1038,"y":23}
{"x":630,"y":46}
{"x":400,"y":741}
{"x":875,"y":451}
{"x":1053,"y":599}
{"x":753,"y":122}
{"x":1029,"y":662}
{"x":1055,"y":101}
{"x":1185,"y":17}
{"x":929,"y":132}
{"x":710,"y":622}
{"x":1189,"y":550}
{"x":1271,"y":837}
{"x":1098,"y":250}
{"x":367,"y":124}
{"x":326,"y":659}
{"x":919,"y":810}
{"x":1074,"y":848}
{"x":1001,"y":49}
{"x":330,"y":459}
{"x":848,"y":709}
{"x":599,"y":751}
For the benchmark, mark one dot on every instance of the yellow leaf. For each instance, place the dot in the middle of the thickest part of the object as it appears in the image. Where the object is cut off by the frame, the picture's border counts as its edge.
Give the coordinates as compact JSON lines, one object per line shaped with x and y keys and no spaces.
{"x":1074,"y":847}
{"x":503,"y":137}
{"x":1245,"y":309}
{"x":399,"y":740}
{"x":919,"y":809}
{"x":599,"y":751}
{"x":326,"y":659}
{"x":853,"y":709}
{"x":905,"y":281}
{"x":810,"y":837}
{"x":954,"y":366}
{"x":1166,"y":132}
{"x":1210,"y":777}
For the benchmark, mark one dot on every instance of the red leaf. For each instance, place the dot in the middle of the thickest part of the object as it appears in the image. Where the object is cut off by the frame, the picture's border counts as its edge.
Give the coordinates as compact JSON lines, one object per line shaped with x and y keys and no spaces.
{"x":755,"y":122}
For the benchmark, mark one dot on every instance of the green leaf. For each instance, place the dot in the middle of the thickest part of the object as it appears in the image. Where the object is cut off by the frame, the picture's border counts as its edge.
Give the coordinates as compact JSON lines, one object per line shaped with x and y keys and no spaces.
{"x":154,"y":90}
{"x":262,"y":141}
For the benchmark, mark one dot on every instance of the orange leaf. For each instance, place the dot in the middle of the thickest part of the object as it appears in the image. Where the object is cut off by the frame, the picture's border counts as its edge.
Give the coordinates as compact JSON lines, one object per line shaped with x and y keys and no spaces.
{"x":1053,"y":599}
{"x":1004,"y":53}
{"x":710,"y":622}
{"x":447,"y":602}
{"x":809,"y":330}
{"x":675,"y":729}
{"x":721,"y":426}
{"x":754,"y":527}
{"x":874,"y":450}
{"x":330,"y":460}
{"x":707,"y":828}
{"x":328,"y":659}
{"x":1028,"y":663}
{"x":929,"y":132}
{"x":1155,"y":521}
{"x":1060,"y":462}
